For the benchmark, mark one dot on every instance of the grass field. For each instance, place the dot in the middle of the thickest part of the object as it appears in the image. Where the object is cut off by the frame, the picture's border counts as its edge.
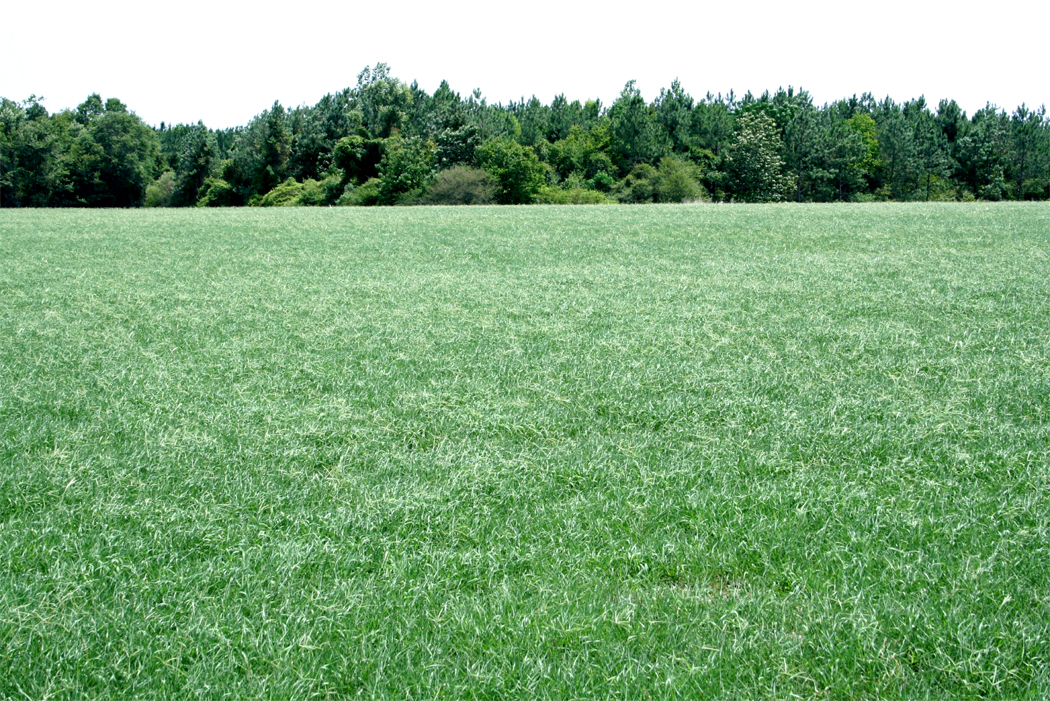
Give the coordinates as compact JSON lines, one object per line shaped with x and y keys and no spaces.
{"x":706,"y":451}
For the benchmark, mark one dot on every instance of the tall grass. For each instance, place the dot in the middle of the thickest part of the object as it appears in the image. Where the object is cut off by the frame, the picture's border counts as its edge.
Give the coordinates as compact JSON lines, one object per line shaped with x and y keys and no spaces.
{"x":634,"y":452}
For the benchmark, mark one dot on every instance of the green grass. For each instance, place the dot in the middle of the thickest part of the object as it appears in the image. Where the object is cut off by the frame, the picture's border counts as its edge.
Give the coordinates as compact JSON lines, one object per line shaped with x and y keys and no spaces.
{"x":614,"y":452}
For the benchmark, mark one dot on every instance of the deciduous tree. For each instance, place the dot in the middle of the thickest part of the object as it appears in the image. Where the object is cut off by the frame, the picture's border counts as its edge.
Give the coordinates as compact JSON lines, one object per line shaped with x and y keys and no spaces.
{"x":754,"y":167}
{"x":517,"y":170}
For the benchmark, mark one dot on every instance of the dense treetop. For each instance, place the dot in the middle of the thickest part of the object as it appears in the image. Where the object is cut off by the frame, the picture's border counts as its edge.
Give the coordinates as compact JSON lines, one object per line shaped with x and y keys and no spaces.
{"x":385,"y":142}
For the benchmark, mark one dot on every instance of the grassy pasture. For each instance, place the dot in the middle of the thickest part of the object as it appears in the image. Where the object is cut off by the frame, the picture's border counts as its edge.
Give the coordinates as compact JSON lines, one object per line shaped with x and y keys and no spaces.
{"x":614,"y":452}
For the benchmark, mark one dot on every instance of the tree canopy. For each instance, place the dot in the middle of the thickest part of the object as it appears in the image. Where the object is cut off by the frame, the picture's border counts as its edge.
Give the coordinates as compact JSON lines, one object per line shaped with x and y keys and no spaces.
{"x":386,"y":142}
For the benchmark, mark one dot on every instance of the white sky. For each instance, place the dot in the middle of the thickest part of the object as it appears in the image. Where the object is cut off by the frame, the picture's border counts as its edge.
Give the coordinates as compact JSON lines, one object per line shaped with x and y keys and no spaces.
{"x":224,"y":62}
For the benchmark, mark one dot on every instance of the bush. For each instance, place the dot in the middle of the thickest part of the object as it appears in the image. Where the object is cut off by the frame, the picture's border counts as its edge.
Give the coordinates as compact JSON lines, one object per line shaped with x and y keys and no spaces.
{"x":161,"y":192}
{"x":366,"y":195}
{"x":943,"y":190}
{"x":1033,"y":189}
{"x":677,"y":180}
{"x":518,"y":172}
{"x":287,"y":194}
{"x":639,"y":186}
{"x":461,"y":185}
{"x":603,"y":181}
{"x":576,"y":195}
{"x":412,"y":198}
{"x":219,"y":193}
{"x":357,"y":157}
{"x":405,"y":167}
{"x":333,"y":188}
{"x":574,"y":181}
{"x":309,"y":193}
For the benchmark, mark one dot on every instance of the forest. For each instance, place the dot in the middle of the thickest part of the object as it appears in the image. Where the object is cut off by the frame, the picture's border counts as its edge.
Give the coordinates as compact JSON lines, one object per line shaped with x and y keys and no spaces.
{"x":386,"y":142}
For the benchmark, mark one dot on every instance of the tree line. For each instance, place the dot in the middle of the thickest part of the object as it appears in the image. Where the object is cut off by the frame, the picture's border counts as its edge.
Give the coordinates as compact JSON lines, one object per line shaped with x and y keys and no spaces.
{"x":385,"y":142}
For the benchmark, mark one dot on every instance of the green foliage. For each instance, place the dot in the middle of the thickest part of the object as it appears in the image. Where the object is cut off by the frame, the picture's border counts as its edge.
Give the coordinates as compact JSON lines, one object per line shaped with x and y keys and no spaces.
{"x":576,"y":195}
{"x":309,"y":193}
{"x":381,"y":101}
{"x":824,"y":156}
{"x":461,"y":185}
{"x":404,"y":168}
{"x":534,"y":119}
{"x":457,"y":147}
{"x":161,"y":192}
{"x":639,"y":186}
{"x":636,"y":134}
{"x":284,"y":195}
{"x":585,"y":152}
{"x":34,"y":155}
{"x":678,"y":180}
{"x":602,"y":181}
{"x":113,"y":157}
{"x":995,"y":187}
{"x":518,"y":172}
{"x":856,"y":148}
{"x":931,"y":152}
{"x":494,"y":123}
{"x":754,"y":168}
{"x":901,"y":176}
{"x":358,"y":158}
{"x":943,"y":189}
{"x":714,"y":124}
{"x":674,"y":112}
{"x":565,"y":115}
{"x":90,"y":109}
{"x":217,"y":192}
{"x":195,"y":165}
{"x":315,"y":131}
{"x":865,"y":127}
{"x":1029,"y":154}
{"x":274,"y":149}
{"x":782,"y":107}
{"x":333,"y":188}
{"x":366,"y":195}
{"x":982,"y":153}
{"x":844,"y":175}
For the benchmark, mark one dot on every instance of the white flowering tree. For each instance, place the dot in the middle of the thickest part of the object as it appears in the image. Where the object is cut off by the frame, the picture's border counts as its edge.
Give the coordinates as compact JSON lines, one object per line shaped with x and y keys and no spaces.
{"x":754,"y":167}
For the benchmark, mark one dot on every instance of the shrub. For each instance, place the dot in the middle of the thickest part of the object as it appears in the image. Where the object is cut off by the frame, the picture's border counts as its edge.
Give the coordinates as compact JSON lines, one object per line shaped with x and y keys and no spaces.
{"x":518,"y":172}
{"x":603,"y":181}
{"x":1032,"y":189}
{"x":461,"y":185}
{"x":944,"y":190}
{"x":219,"y":193}
{"x":576,"y":195}
{"x":677,"y":180}
{"x":412,"y":198}
{"x":366,"y":195}
{"x":405,"y":167}
{"x":333,"y":188}
{"x":309,"y":193}
{"x":161,"y":192}
{"x":639,"y":186}
{"x":286,"y":194}
{"x":357,"y":157}
{"x":574,"y":181}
